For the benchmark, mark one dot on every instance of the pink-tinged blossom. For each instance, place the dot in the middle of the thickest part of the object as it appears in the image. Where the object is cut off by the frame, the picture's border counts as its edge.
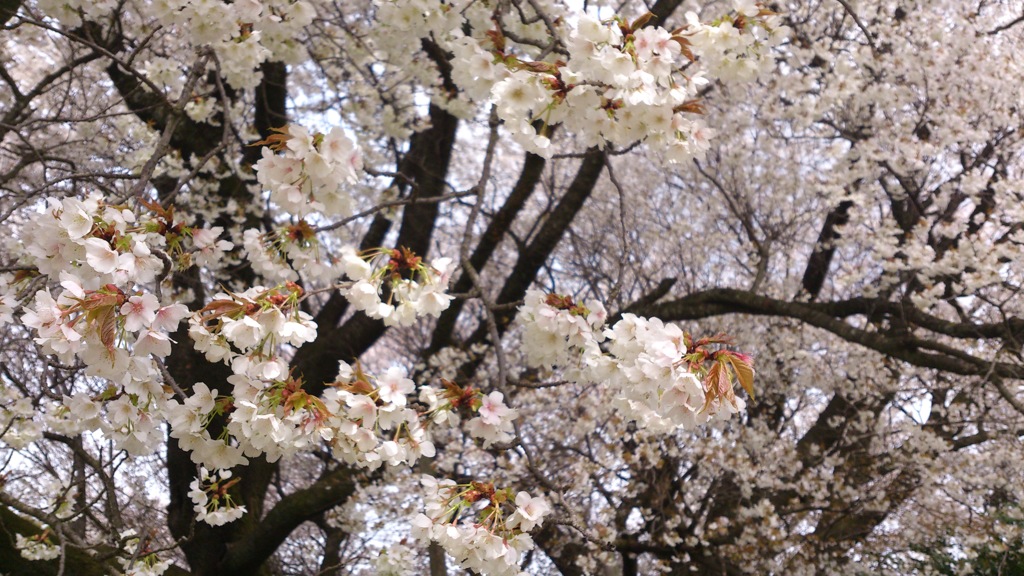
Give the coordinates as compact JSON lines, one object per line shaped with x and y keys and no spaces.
{"x":343,"y":154}
{"x":208,"y":248}
{"x":139,"y":312}
{"x":273,"y":169}
{"x":300,"y":141}
{"x":139,"y":264}
{"x":493,"y":410}
{"x":168,"y":317}
{"x":361,"y":409}
{"x":46,"y":315}
{"x":155,"y":343}
{"x":100,"y":256}
{"x":394,"y":386}
{"x":530,"y":511}
{"x":494,"y":421}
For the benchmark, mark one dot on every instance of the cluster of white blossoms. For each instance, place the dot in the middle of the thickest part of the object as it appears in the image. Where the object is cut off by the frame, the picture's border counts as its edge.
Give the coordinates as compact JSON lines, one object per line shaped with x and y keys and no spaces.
{"x":736,"y":46}
{"x":245,"y":330}
{"x":395,"y":285}
{"x":189,"y":421}
{"x":242,"y":33}
{"x":277,"y":418}
{"x":655,"y":378}
{"x":137,"y":562}
{"x":308,"y":177}
{"x":310,"y":174}
{"x":268,"y":412}
{"x":17,"y":419}
{"x":557,"y":330}
{"x":366,"y":419}
{"x":626,"y":82}
{"x":212,"y":500}
{"x":396,"y":560}
{"x":273,"y":418}
{"x":103,"y":327}
{"x":278,"y":255}
{"x":650,"y":371}
{"x":103,"y":243}
{"x":621,"y":81}
{"x":495,"y":539}
{"x":130,"y":415}
{"x":36,"y":548}
{"x":108,"y":258}
{"x":373,"y":422}
{"x":493,"y":420}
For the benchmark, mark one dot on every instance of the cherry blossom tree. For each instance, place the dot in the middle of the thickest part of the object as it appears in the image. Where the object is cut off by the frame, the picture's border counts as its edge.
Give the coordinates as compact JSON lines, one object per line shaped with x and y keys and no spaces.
{"x":417,"y":286}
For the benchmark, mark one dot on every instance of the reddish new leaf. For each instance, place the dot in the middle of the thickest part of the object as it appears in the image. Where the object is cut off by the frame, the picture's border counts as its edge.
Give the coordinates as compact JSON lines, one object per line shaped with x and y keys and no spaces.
{"x":219,"y":308}
{"x":641,"y":21}
{"x":715,"y":381}
{"x":276,"y":141}
{"x":740,"y":364}
{"x":106,"y":325}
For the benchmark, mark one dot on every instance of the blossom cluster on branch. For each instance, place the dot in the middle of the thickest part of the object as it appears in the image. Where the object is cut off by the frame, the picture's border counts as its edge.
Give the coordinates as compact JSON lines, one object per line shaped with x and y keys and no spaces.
{"x":496,"y":540}
{"x":412,"y":287}
{"x":109,"y":276}
{"x":175,"y":300}
{"x":243,"y":34}
{"x":655,"y":369}
{"x":620,"y":81}
{"x":312,"y":173}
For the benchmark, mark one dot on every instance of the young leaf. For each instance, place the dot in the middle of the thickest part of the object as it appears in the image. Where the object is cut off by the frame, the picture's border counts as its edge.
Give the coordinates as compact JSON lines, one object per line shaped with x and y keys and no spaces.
{"x":712,"y":385}
{"x":740,"y":364}
{"x":107,"y":327}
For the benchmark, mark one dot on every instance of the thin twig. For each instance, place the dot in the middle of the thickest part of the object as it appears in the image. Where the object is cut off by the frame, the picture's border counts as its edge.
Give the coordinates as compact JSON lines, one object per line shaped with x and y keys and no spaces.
{"x":169,"y":380}
{"x":1006,"y":26}
{"x":1006,"y":393}
{"x":548,"y":22}
{"x":172,"y":123}
{"x":385,"y":205}
{"x":227,"y":126}
{"x":481,"y":185}
{"x":490,"y":320}
{"x":860,"y":24}
{"x":464,"y":249}
{"x":571,"y":519}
